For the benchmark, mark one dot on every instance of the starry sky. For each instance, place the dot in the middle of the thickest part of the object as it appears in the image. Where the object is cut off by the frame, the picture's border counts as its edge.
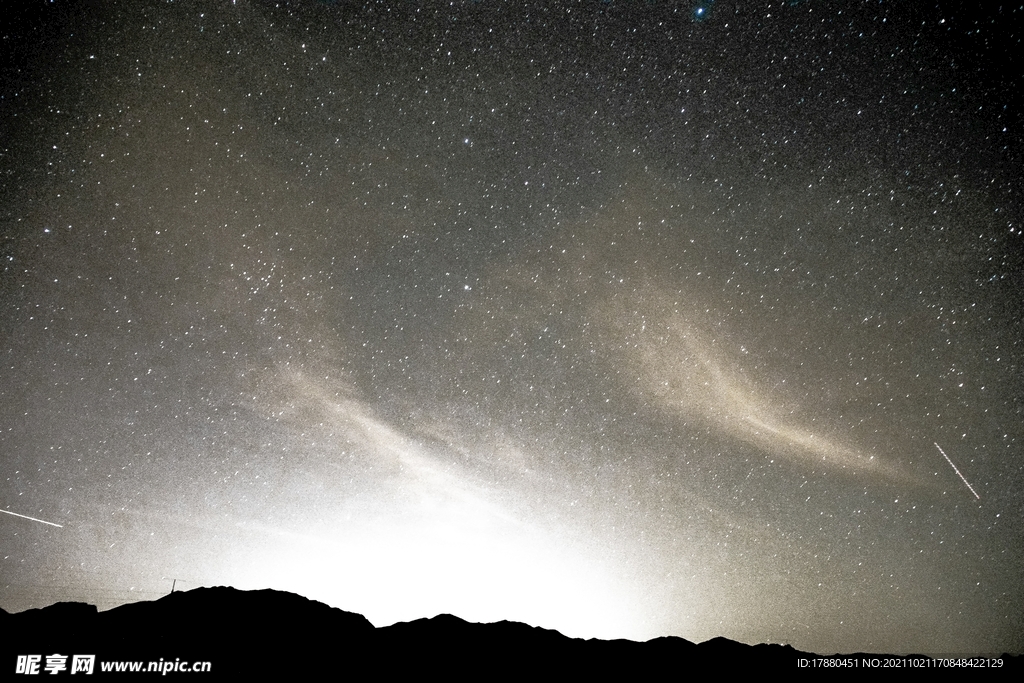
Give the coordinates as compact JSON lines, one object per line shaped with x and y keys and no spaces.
{"x":628,"y":319}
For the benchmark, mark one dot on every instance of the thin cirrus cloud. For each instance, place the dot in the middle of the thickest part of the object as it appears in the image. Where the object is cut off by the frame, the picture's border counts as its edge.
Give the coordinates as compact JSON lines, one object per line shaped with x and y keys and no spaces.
{"x":428,"y":535}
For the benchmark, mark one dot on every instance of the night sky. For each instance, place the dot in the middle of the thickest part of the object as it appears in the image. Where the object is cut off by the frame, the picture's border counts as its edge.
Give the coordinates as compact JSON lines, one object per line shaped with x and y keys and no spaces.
{"x":628,"y":319}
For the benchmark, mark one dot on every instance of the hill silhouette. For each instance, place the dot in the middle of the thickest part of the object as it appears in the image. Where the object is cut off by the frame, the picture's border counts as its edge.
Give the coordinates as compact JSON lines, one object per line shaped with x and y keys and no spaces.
{"x":272,"y":633}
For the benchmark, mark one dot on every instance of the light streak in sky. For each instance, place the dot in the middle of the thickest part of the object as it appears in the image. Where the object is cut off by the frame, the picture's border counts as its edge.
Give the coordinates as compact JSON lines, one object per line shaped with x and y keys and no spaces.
{"x":957,"y":471}
{"x":41,"y":521}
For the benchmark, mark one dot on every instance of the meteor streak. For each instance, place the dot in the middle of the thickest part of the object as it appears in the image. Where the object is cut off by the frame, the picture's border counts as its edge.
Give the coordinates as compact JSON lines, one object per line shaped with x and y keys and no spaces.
{"x":41,"y":521}
{"x":957,"y":471}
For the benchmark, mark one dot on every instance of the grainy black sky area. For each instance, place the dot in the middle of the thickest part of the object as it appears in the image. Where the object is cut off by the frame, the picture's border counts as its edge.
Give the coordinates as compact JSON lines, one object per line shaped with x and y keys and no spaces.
{"x":627,"y":319}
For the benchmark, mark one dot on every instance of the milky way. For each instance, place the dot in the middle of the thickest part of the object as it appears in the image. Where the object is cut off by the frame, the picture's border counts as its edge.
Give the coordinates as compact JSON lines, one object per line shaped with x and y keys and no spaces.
{"x":626,"y":319}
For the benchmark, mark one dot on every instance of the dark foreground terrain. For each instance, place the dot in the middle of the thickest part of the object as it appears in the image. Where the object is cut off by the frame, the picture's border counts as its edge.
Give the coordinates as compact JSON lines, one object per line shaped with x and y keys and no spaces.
{"x":269,"y":633}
